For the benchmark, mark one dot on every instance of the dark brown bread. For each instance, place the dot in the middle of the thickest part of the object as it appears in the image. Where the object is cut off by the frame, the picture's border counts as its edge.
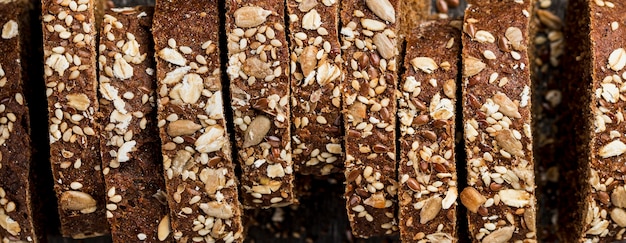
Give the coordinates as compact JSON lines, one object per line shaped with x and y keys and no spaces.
{"x":17,"y":219}
{"x":200,"y":178}
{"x":595,"y":94}
{"x":316,"y":74}
{"x":412,"y":13}
{"x":426,"y":113}
{"x":258,"y":69}
{"x":70,"y":76}
{"x":500,"y":195}
{"x":370,"y":52}
{"x":130,"y":144}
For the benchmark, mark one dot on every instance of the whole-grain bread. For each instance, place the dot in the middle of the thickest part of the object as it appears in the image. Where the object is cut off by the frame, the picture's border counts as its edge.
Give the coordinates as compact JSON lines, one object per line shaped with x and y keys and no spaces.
{"x":316,"y":74}
{"x":70,"y":76}
{"x":497,"y":86}
{"x":412,"y":13}
{"x":129,"y":141}
{"x":426,"y":113}
{"x":200,"y":179}
{"x":18,"y":219}
{"x":369,"y":37}
{"x":594,"y":68}
{"x":258,"y":68}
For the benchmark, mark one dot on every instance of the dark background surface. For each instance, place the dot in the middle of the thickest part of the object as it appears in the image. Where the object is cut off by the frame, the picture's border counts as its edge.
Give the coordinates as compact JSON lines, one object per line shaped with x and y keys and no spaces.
{"x":321,"y":215}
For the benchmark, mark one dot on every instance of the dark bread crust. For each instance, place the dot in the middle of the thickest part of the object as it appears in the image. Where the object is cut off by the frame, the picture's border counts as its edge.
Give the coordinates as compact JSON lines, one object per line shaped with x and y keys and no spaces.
{"x":595,"y":43}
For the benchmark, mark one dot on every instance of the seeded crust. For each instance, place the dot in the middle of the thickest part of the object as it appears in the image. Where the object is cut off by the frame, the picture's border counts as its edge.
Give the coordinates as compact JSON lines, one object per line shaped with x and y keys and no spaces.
{"x":596,"y":70}
{"x":316,"y":76}
{"x":369,"y":103}
{"x":426,"y":111}
{"x":17,"y":219}
{"x":497,"y":121}
{"x":130,"y":144}
{"x":258,"y":69}
{"x":70,"y":77}
{"x":200,"y":180}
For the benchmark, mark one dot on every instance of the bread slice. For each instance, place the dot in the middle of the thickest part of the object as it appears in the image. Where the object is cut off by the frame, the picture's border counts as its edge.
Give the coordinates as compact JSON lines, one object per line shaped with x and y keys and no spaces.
{"x":130,"y":143}
{"x":500,"y":196}
{"x":258,"y":68}
{"x":316,"y":74}
{"x":70,"y":76}
{"x":595,"y":94}
{"x":370,"y":51}
{"x":200,"y":179}
{"x":411,"y":14}
{"x":426,"y":113}
{"x":17,"y":213}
